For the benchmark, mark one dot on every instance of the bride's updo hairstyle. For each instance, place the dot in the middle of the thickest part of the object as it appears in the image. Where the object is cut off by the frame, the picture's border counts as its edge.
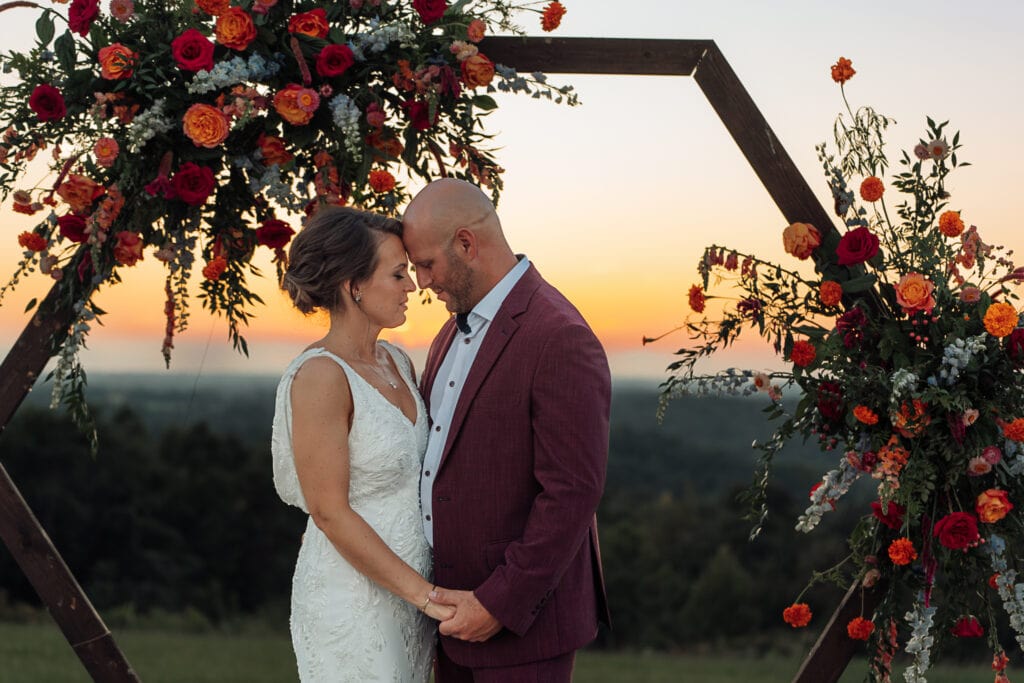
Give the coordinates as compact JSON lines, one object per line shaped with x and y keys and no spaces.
{"x":337,"y":244}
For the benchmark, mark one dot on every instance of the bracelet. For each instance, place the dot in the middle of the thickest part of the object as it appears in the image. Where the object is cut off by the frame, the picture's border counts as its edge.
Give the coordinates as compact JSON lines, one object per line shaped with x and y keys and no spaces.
{"x":424,"y":607}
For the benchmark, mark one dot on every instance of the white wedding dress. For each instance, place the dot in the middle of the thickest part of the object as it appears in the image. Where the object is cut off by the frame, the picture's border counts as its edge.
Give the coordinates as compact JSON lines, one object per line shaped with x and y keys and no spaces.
{"x":344,"y":627}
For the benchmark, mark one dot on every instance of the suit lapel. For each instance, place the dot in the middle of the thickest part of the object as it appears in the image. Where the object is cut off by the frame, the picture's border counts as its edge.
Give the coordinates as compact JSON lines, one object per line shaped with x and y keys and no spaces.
{"x":498,"y":335}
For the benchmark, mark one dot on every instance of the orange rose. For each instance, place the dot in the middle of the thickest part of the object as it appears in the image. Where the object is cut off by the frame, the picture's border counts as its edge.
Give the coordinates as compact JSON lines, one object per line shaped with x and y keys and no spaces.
{"x":235,"y":29}
{"x":382,"y":181}
{"x":842,"y":70}
{"x":901,"y":551}
{"x":79,"y":192}
{"x":117,"y":62}
{"x":830,"y":293}
{"x":128,"y":250}
{"x":291,"y":104}
{"x":871,"y":189}
{"x":477,"y":71}
{"x":950,"y":224}
{"x":992,"y":505}
{"x":797,"y":615}
{"x":205,"y":126}
{"x":213,"y":7}
{"x":801,"y":239}
{"x":273,"y":150}
{"x":914,"y":293}
{"x":1000,"y":319}
{"x":313,"y":24}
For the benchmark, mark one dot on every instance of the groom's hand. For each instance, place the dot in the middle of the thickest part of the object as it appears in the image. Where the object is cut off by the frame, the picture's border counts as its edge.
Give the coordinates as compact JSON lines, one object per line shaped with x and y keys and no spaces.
{"x":472,"y":621}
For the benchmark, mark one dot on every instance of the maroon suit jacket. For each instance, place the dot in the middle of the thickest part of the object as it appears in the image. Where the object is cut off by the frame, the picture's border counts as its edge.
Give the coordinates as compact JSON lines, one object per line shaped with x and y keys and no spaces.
{"x":521,"y":476}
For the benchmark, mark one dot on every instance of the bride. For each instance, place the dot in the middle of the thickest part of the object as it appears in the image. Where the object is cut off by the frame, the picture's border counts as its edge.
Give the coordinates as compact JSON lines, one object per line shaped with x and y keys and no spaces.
{"x":349,"y":435}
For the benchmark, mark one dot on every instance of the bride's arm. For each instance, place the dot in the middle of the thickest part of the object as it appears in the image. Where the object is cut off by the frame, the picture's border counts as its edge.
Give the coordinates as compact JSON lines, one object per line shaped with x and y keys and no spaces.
{"x":321,"y":412}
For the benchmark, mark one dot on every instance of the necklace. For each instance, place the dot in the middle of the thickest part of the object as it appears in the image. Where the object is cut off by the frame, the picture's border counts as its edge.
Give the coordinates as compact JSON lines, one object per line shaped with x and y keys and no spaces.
{"x":386,"y":376}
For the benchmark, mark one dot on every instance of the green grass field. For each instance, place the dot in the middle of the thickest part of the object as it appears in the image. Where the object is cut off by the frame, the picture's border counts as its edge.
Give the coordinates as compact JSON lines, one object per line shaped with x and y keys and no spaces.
{"x":37,"y":653}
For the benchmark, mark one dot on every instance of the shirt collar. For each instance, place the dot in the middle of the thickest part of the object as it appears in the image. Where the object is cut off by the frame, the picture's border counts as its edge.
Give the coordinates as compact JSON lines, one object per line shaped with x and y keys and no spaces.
{"x":488,"y":307}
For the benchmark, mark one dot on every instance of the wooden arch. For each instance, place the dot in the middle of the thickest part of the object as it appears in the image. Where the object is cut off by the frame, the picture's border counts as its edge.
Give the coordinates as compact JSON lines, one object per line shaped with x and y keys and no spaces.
{"x":56,"y":585}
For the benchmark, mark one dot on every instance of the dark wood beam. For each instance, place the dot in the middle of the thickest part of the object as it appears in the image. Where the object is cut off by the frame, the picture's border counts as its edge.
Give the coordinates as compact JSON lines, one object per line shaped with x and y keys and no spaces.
{"x":834,"y":649}
{"x":609,"y":56}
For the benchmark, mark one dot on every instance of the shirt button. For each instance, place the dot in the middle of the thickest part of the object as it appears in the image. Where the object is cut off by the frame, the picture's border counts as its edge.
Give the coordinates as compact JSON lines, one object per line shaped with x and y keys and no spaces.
{"x":427,"y":473}
{"x":437,"y":428}
{"x":467,"y":340}
{"x":428,"y":518}
{"x":451,"y":384}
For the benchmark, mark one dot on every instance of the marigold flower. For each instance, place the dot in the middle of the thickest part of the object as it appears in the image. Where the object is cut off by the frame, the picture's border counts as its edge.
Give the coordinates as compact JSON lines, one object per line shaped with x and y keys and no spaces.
{"x":801,"y":239}
{"x":830,"y":293}
{"x":803,"y":353}
{"x":215,"y":268}
{"x":1014,"y":431}
{"x":871,"y":189}
{"x":992,"y":505}
{"x":696,"y":297}
{"x":1000,"y":319}
{"x":382,"y":181}
{"x":213,"y":7}
{"x":842,"y":70}
{"x":902,"y":552}
{"x":860,"y":628}
{"x":552,"y":16}
{"x":32,"y":241}
{"x":950,"y":224}
{"x":797,"y":615}
{"x":865,"y":415}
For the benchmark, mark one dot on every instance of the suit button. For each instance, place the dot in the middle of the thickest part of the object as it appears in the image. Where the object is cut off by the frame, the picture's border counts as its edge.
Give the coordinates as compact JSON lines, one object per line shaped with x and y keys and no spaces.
{"x":443,"y":499}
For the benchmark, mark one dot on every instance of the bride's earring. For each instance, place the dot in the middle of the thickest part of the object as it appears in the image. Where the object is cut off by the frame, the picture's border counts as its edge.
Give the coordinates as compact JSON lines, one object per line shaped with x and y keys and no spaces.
{"x":358,"y":297}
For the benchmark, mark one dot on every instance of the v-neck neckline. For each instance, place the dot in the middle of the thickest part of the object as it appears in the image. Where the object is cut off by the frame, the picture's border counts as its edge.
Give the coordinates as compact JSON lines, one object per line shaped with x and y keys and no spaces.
{"x":416,"y":404}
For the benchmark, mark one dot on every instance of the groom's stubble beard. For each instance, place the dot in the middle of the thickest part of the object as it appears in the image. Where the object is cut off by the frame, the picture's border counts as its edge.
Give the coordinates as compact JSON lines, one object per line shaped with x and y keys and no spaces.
{"x":459,"y":284}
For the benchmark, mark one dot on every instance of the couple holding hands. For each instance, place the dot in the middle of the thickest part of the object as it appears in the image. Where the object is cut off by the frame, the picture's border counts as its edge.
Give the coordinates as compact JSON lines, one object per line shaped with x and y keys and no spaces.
{"x":451,"y":519}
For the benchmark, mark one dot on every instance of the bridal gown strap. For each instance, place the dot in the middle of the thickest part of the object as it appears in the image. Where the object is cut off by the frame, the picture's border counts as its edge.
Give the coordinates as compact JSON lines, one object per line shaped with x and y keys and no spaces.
{"x":344,"y":627}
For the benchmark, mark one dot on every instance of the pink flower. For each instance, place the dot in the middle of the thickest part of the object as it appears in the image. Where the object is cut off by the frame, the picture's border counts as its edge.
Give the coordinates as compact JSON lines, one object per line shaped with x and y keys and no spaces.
{"x":991,"y":454}
{"x":978,"y":466}
{"x":970,"y":416}
{"x":970,"y":294}
{"x":938,"y":149}
{"x":921,"y":152}
{"x":106,"y":151}
{"x":122,"y":10}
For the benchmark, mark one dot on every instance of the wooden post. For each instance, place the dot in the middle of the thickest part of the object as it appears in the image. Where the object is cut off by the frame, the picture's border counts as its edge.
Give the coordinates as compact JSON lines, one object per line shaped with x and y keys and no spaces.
{"x":22,"y":533}
{"x":834,"y":648}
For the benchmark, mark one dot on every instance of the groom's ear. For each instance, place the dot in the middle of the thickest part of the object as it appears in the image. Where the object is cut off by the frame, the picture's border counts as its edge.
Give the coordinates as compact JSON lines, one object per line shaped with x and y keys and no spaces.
{"x":466,"y":244}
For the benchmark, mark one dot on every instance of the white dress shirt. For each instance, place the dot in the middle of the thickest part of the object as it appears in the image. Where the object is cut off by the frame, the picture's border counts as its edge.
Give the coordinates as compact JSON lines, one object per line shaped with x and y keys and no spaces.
{"x":450,"y":379}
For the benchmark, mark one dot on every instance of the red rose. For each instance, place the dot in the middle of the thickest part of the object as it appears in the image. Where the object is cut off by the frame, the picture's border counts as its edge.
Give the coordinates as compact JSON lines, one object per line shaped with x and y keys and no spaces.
{"x":430,"y":10}
{"x":857,"y":246}
{"x":193,"y":51}
{"x":830,"y":401}
{"x":967,"y":627}
{"x":893,"y":515}
{"x":72,"y":227}
{"x":81,"y":14}
{"x":957,"y":530}
{"x":1015,"y":346}
{"x":193,"y":184}
{"x":274,"y":233}
{"x":419,"y":114}
{"x":334,"y":60}
{"x":47,"y":102}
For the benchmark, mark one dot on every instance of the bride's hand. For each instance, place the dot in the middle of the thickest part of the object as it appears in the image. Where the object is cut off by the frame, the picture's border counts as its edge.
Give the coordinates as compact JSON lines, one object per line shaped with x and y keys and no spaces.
{"x":439,"y":612}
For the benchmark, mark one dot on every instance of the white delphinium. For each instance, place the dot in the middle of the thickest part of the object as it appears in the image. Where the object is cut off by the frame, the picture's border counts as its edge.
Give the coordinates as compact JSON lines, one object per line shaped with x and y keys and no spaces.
{"x":903,"y":381}
{"x":920,"y":619}
{"x":1013,"y":456}
{"x":379,"y":36}
{"x":1010,"y":591}
{"x":834,"y":486}
{"x":149,"y":123}
{"x":346,"y":117}
{"x":957,"y":355}
{"x":286,"y":194}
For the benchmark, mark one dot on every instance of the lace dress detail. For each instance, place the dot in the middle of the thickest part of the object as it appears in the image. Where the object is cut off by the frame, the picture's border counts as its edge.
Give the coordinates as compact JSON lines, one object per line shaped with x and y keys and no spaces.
{"x":345,"y":627}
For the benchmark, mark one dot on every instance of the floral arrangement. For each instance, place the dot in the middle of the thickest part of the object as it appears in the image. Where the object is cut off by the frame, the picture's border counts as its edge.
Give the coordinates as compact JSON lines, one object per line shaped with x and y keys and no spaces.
{"x":200,"y":129}
{"x":905,"y":351}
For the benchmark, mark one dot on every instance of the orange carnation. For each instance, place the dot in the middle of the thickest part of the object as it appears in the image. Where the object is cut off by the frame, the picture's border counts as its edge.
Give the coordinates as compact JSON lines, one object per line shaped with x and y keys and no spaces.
{"x":235,"y":29}
{"x":842,"y":70}
{"x":213,"y":7}
{"x":79,"y":192}
{"x":696,"y":299}
{"x":475,"y":31}
{"x":950,"y":224}
{"x":117,"y":62}
{"x":382,"y":181}
{"x":992,"y":505}
{"x":1014,"y":431}
{"x":1000,"y":319}
{"x":830,"y":293}
{"x":803,"y":353}
{"x":901,"y":551}
{"x":801,"y":239}
{"x":797,"y":615}
{"x":215,"y":268}
{"x":205,"y":126}
{"x":871,"y":189}
{"x":914,"y":293}
{"x":552,"y":16}
{"x":860,"y":628}
{"x":294,"y":104}
{"x":128,"y":250}
{"x":32,"y":241}
{"x":477,"y":71}
{"x":865,"y":415}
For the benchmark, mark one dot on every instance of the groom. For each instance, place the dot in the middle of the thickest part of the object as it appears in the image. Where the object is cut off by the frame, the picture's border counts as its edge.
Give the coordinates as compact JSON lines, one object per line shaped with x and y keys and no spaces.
{"x":518,"y":391}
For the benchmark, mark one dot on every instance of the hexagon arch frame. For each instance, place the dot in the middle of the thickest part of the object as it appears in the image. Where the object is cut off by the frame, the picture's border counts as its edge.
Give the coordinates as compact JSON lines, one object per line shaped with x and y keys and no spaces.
{"x":42,"y":564}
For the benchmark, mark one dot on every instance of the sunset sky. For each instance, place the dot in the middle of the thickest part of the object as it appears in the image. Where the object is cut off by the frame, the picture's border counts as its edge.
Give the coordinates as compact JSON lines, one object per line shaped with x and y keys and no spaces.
{"x":615,"y":200}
